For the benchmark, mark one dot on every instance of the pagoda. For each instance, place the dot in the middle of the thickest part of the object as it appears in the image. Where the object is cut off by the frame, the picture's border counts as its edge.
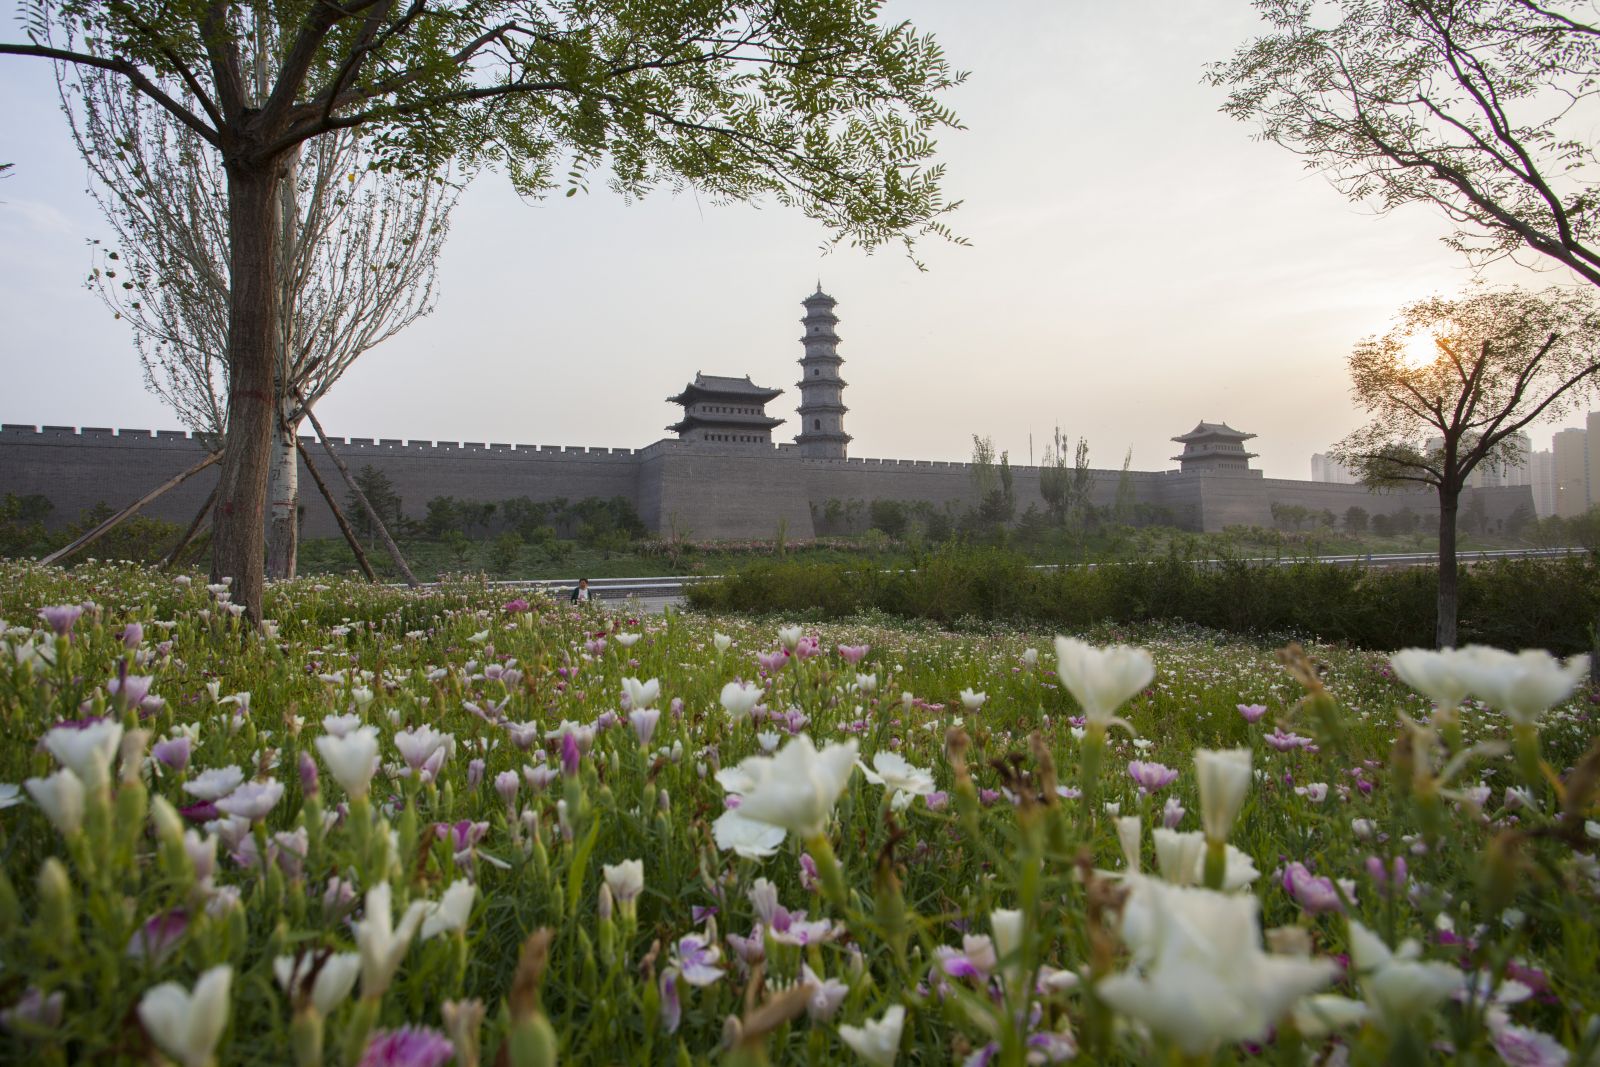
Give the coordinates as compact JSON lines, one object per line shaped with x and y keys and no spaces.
{"x":726,"y":411}
{"x":1214,"y":447}
{"x":822,"y":407}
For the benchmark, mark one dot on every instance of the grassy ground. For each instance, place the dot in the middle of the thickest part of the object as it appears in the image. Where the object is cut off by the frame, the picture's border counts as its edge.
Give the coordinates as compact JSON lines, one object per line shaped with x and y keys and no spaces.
{"x":878,"y":906}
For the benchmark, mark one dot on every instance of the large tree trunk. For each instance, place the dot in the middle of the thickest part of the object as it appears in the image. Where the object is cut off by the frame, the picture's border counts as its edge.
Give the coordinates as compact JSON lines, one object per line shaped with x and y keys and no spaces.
{"x":240,"y":514}
{"x":1445,"y":633}
{"x":283,"y":500}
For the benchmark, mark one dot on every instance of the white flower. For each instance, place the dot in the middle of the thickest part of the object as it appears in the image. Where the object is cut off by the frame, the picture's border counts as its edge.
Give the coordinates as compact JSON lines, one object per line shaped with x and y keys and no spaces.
{"x":1224,"y":780}
{"x":452,"y":910}
{"x":60,"y":797}
{"x":626,"y":879}
{"x":340,"y":725}
{"x":797,"y":788}
{"x":252,"y":800}
{"x":1008,"y":927}
{"x":1398,"y":985}
{"x":1524,"y":686}
{"x":1130,"y":833}
{"x":746,"y":837}
{"x":1030,"y":656}
{"x":1317,"y":1016}
{"x":1198,"y":973}
{"x":641,"y":694}
{"x":972,"y":701}
{"x":188,"y":1025}
{"x":383,"y":944}
{"x":352,"y":758}
{"x":878,"y":1042}
{"x":336,"y":977}
{"x":627,"y":640}
{"x":1181,"y":857}
{"x":789,"y":636}
{"x":739,"y":699}
{"x":215,"y":783}
{"x":10,"y":795}
{"x":866,"y":683}
{"x":1440,"y":675}
{"x":419,"y":745}
{"x":1102,"y":679}
{"x":891,"y":771}
{"x":723,"y":642}
{"x":88,"y":752}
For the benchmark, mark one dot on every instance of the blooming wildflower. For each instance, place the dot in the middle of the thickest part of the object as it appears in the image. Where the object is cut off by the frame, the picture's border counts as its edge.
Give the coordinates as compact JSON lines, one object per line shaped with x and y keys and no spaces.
{"x":252,"y":800}
{"x":352,"y":758}
{"x":854,"y":654}
{"x":894,"y":773}
{"x":61,"y":798}
{"x":188,"y":1024}
{"x":1224,"y":780}
{"x":1102,"y":679}
{"x":641,"y":694}
{"x":336,"y":974}
{"x":739,"y":698}
{"x":1397,"y":985}
{"x":382,"y":943}
{"x":86,"y":750}
{"x":450,"y":913}
{"x":671,"y":1005}
{"x":1252,"y":712}
{"x":409,"y":1046}
{"x":61,"y":617}
{"x":34,"y":1010}
{"x":1151,"y":776}
{"x":878,"y":1042}
{"x":644,"y":722}
{"x":626,"y":879}
{"x":1316,"y":894}
{"x":722,"y":641}
{"x":696,"y":960}
{"x":797,"y":788}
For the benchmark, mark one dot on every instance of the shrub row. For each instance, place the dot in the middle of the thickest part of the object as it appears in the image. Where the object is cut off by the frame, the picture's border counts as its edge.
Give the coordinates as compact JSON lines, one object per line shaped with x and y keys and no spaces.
{"x":1509,"y":603}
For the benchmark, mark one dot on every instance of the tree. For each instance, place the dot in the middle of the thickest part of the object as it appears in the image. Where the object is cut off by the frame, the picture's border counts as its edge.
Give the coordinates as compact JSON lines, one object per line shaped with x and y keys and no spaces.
{"x":1355,"y":519}
{"x":1480,"y":109}
{"x":1501,"y":361}
{"x":1055,"y":485}
{"x":810,"y":103}
{"x":985,"y":476}
{"x":379,"y":490}
{"x":1008,"y":485}
{"x":356,"y":257}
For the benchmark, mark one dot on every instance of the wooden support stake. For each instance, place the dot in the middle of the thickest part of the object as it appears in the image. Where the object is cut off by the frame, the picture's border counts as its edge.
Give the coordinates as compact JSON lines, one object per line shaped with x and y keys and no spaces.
{"x":372,"y":513}
{"x":188,"y":535}
{"x":132,"y":509}
{"x":338,"y":514}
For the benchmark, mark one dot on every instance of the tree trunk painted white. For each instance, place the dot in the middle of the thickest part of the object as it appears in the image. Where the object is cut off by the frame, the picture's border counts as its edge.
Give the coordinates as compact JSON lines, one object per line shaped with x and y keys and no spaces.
{"x":283,"y":499}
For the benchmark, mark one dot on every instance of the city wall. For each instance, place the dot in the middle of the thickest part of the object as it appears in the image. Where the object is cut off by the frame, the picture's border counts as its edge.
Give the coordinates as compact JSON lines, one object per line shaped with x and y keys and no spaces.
{"x":701,"y":491}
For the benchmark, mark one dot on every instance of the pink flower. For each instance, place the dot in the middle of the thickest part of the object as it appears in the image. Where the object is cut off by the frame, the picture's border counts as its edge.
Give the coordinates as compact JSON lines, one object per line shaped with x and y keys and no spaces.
{"x":854,"y":654}
{"x":697,"y":960}
{"x":1315,"y":894}
{"x":1285,"y":742}
{"x":516,"y":605}
{"x":1172,"y":814}
{"x":671,"y":1007}
{"x":155,"y":940}
{"x":173,"y":753}
{"x":409,"y":1046}
{"x":1387,"y":877}
{"x":1151,"y":776}
{"x":772,"y":662}
{"x":1522,"y":1047}
{"x":61,"y":617}
{"x":1252,"y":712}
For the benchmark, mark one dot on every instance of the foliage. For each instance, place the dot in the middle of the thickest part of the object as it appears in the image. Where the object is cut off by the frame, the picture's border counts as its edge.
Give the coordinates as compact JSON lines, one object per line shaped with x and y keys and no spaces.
{"x":1552,"y":603}
{"x":1480,"y":109}
{"x":380,"y":493}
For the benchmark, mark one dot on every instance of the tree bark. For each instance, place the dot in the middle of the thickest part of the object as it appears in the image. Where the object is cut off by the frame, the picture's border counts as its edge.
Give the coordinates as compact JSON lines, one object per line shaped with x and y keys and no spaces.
{"x":1445,"y":633}
{"x":240,"y":514}
{"x":283,"y":499}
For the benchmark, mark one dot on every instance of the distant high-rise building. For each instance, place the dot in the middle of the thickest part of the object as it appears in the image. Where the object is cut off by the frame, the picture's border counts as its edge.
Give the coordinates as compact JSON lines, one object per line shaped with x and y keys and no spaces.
{"x":1542,"y":476}
{"x":1324,"y":468}
{"x":1571,"y":449}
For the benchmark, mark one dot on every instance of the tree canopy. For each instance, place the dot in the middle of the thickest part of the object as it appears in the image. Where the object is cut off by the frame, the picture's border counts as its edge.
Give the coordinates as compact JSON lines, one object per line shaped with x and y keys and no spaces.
{"x":1482,"y":108}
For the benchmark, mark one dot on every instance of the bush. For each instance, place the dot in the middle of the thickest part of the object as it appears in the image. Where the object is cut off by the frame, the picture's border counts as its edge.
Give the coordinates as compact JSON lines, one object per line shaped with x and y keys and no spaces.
{"x":1510,"y":603}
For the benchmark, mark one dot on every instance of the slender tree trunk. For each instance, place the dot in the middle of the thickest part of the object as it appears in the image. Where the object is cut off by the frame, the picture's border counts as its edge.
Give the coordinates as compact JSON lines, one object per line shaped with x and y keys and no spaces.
{"x":372,"y":512}
{"x":239,"y":517}
{"x":338,"y":515}
{"x":1445,"y":634}
{"x":283,"y":499}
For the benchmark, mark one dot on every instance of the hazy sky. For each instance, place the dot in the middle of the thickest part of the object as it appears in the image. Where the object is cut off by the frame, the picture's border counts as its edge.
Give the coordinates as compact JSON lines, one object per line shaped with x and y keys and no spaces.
{"x":1138,"y":263}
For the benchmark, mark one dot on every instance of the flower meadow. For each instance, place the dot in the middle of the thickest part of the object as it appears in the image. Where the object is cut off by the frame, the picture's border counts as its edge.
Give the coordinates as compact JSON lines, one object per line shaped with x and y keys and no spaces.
{"x":394,"y":827}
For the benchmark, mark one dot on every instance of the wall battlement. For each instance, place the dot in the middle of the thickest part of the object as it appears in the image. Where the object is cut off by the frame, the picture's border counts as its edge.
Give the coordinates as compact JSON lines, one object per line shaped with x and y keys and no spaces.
{"x":721,"y":490}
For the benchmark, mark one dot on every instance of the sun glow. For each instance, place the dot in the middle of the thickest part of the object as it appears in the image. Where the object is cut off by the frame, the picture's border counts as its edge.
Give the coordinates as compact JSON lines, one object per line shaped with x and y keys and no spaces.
{"x":1420,"y":349}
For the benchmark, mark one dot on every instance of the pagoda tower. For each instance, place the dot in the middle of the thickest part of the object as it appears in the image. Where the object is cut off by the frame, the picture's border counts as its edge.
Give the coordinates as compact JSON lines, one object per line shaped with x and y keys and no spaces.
{"x":1215,"y":447}
{"x":822,"y":407}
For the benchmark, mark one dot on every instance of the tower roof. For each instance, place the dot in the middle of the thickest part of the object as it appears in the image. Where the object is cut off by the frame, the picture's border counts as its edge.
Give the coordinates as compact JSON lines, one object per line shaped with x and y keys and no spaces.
{"x":716,"y":385}
{"x":1211,"y":431}
{"x":819,"y":297}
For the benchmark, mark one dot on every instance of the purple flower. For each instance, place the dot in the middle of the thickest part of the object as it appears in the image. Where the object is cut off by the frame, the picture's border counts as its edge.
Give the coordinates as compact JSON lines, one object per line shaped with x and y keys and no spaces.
{"x":1151,"y":776}
{"x":1252,"y":712}
{"x":516,"y":605}
{"x":462,"y":835}
{"x":700,"y":913}
{"x":671,"y":1007}
{"x":61,"y":617}
{"x":571,"y":756}
{"x":34,"y":1009}
{"x":174,"y":752}
{"x":309,"y":785}
{"x":131,"y":689}
{"x":697,"y":960}
{"x":644,"y":723}
{"x":937,"y":800}
{"x":1387,"y":877}
{"x":1315,"y":894}
{"x":1172,"y":814}
{"x":475,"y":775}
{"x":1286,"y":742}
{"x":132,"y":635}
{"x":409,"y":1046}
{"x":772,"y":662}
{"x":155,"y":940}
{"x":854,"y":654}
{"x":506,"y":783}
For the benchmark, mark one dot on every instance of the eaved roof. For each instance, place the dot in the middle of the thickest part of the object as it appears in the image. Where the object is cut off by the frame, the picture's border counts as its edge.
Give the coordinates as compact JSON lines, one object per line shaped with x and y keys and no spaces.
{"x":718,"y":385}
{"x":1213,"y":429}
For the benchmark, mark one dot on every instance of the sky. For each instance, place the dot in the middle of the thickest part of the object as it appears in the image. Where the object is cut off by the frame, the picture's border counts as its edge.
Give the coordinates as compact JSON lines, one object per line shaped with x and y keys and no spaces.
{"x":1138,"y":263}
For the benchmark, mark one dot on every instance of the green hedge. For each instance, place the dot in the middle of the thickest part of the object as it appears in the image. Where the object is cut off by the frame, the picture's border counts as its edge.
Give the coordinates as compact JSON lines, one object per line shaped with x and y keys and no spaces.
{"x":1510,"y":603}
